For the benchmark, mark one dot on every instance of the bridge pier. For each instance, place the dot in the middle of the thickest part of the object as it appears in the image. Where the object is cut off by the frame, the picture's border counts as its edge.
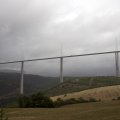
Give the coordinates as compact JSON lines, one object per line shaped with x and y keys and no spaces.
{"x":22,"y":78}
{"x":117,"y":63}
{"x":61,"y":70}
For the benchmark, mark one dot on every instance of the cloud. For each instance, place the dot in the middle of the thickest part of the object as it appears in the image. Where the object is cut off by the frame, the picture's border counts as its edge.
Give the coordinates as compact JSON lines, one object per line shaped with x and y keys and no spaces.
{"x":35,"y":28}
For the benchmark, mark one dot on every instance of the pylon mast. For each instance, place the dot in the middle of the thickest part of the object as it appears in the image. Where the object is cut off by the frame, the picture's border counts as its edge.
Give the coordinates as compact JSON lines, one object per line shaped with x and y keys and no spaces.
{"x":22,"y":78}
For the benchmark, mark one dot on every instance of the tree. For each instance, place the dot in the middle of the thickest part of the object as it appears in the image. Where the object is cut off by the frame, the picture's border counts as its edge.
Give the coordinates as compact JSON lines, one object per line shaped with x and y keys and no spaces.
{"x":36,"y":101}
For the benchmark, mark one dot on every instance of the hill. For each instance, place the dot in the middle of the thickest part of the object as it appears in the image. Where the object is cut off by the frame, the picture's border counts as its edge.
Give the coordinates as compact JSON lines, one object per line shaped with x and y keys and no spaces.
{"x":102,"y":93}
{"x":76,"y":84}
{"x":85,"y":111}
{"x":10,"y":84}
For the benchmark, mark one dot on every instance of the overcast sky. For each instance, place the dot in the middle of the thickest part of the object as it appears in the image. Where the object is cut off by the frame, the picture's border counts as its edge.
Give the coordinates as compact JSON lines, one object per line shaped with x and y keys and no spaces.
{"x":37,"y":28}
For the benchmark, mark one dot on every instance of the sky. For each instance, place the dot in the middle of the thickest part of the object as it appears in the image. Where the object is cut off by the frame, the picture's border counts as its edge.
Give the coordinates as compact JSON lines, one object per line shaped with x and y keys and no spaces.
{"x":38,"y":28}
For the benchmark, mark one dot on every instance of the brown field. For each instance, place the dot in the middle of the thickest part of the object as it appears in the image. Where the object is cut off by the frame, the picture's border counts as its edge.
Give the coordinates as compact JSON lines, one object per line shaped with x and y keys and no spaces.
{"x":109,"y":110}
{"x":102,"y":93}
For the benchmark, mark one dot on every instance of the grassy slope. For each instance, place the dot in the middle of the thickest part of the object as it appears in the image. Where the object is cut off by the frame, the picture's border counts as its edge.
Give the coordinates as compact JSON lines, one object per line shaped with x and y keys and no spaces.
{"x":86,"y":111}
{"x":103,"y":93}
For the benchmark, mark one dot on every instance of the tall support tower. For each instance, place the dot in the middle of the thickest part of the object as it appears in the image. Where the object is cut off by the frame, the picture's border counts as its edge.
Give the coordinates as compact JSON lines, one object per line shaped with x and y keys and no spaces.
{"x":61,"y":70}
{"x":117,"y":63}
{"x":116,"y":58}
{"x":22,"y":78}
{"x":61,"y":64}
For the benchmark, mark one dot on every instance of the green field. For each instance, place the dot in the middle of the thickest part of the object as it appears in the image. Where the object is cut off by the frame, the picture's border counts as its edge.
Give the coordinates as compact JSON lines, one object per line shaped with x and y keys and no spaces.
{"x":84,"y":111}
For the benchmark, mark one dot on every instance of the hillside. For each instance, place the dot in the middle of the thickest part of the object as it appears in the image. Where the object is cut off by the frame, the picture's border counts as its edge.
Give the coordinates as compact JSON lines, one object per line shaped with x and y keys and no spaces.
{"x":103,"y":93}
{"x":10,"y":84}
{"x":76,"y":84}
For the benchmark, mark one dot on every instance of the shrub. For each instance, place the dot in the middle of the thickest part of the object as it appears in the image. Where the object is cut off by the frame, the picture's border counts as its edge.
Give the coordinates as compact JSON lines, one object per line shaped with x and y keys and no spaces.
{"x":118,"y":98}
{"x":92,"y":100}
{"x":24,"y":102}
{"x":113,"y":99}
{"x":35,"y":101}
{"x":59,"y":102}
{"x":2,"y":115}
{"x":70,"y":101}
{"x":81,"y":100}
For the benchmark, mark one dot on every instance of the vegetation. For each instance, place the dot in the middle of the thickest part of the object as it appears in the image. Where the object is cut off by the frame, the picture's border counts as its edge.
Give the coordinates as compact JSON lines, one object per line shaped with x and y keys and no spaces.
{"x":39,"y":100}
{"x":3,"y":115}
{"x":10,"y":83}
{"x":35,"y":101}
{"x":75,"y":84}
{"x":118,"y":98}
{"x":59,"y":102}
{"x":100,"y":94}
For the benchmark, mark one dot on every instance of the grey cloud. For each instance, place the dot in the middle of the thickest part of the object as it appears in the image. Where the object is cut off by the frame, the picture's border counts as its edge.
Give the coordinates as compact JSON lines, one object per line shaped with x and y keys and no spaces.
{"x":35,"y":29}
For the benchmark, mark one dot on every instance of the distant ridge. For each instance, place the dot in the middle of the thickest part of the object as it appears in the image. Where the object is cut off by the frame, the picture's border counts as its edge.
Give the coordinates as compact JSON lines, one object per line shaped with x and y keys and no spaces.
{"x":10,"y":84}
{"x":9,"y":71}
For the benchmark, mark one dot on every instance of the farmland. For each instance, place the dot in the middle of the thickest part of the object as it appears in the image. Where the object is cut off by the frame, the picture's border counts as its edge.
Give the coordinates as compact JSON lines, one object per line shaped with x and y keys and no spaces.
{"x":85,"y":111}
